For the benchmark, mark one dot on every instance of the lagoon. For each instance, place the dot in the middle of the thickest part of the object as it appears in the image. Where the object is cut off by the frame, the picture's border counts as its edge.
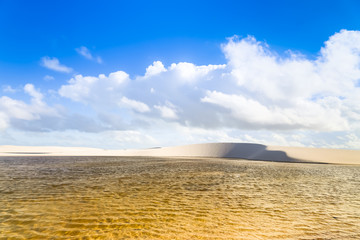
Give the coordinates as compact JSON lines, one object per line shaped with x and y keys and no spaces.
{"x":176,"y":198}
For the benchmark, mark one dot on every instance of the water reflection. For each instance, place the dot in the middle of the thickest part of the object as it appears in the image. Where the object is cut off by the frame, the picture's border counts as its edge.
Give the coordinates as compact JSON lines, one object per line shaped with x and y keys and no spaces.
{"x":124,"y":198}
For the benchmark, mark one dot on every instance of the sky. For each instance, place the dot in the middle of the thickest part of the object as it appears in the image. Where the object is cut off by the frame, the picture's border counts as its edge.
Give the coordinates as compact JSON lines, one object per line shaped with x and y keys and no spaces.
{"x":139,"y":74}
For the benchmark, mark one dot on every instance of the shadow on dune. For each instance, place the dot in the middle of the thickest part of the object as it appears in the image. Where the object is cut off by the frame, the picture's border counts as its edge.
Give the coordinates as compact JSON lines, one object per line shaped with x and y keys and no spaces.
{"x":254,"y":151}
{"x":249,"y":151}
{"x":258,"y":152}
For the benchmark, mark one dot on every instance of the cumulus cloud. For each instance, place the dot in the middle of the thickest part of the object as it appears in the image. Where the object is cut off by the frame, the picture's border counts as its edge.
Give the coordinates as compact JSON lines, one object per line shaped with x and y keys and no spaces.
{"x":15,"y":111}
{"x":249,"y":113}
{"x":85,"y":52}
{"x":96,"y":90}
{"x":4,"y":121}
{"x":54,"y":64}
{"x":289,"y":97}
{"x":35,"y":94}
{"x":156,"y":68}
{"x":257,"y":88}
{"x":190,"y":73}
{"x":133,"y":104}
{"x":167,"y":111}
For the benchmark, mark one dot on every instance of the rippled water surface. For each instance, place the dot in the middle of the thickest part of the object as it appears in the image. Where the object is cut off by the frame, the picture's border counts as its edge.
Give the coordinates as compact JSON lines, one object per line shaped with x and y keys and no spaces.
{"x":149,"y":198}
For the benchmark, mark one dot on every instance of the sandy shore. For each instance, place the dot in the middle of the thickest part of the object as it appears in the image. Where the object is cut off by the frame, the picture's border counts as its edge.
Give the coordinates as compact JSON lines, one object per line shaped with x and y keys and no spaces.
{"x":216,"y":150}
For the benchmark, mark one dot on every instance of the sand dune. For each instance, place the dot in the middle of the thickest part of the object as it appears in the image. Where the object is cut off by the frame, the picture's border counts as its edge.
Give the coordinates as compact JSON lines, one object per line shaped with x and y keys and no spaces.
{"x":213,"y":150}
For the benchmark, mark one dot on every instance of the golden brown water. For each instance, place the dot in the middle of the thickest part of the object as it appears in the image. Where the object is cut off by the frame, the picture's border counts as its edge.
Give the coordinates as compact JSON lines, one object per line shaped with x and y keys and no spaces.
{"x":149,"y":198}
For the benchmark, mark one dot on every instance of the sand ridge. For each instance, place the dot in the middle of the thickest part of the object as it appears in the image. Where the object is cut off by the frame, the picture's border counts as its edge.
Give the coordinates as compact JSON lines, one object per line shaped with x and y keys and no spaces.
{"x":250,"y":151}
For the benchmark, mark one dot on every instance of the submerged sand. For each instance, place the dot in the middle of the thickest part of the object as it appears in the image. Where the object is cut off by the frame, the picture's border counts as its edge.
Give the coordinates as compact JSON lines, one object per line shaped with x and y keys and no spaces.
{"x":45,"y":197}
{"x":248,"y":151}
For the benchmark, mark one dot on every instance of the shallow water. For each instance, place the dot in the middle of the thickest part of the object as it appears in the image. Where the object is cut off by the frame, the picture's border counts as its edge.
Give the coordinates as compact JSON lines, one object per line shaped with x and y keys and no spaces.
{"x":149,"y":198}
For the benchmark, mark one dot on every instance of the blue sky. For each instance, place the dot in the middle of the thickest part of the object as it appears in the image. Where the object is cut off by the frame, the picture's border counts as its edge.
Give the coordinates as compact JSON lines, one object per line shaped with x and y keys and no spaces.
{"x":120,"y":74}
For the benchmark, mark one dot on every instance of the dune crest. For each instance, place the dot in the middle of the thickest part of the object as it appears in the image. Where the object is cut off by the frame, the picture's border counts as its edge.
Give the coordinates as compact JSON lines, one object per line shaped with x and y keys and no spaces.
{"x":250,"y":151}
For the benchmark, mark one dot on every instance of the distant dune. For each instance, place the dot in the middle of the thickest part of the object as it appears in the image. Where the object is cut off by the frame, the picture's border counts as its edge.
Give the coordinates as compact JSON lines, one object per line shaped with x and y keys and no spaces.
{"x":248,"y":151}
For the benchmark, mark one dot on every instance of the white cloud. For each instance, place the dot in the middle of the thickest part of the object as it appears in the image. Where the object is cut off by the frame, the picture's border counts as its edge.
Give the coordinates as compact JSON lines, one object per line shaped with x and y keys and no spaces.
{"x":190,"y":73}
{"x":256,"y":89}
{"x":78,"y":88}
{"x":85,"y":52}
{"x":167,"y":111}
{"x":15,"y":109}
{"x":9,"y":89}
{"x":306,"y":115}
{"x":259,"y":71}
{"x":133,"y":104}
{"x":54,"y":64}
{"x":101,"y":89}
{"x":12,"y":110}
{"x":154,"y":69}
{"x":4,"y":121}
{"x":118,"y":77}
{"x":290,"y":99}
{"x":35,"y":94}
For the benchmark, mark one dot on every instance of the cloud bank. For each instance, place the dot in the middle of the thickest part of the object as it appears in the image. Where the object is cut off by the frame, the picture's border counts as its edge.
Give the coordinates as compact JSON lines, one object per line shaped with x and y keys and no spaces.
{"x":288,"y":97}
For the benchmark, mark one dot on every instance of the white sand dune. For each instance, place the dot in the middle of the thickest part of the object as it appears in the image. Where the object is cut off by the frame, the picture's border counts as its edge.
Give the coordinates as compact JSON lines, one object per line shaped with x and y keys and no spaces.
{"x":213,"y":150}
